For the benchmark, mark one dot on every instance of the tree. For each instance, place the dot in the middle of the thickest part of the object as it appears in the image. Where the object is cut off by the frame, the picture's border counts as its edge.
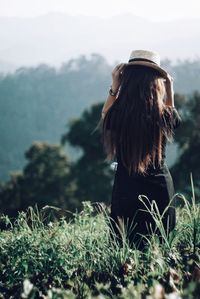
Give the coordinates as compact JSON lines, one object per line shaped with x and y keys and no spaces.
{"x":44,"y":180}
{"x":91,"y":173}
{"x":188,"y":139}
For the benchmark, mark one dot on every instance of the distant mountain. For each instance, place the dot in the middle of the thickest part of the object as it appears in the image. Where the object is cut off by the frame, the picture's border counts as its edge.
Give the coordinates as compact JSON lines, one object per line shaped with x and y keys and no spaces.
{"x":55,"y":37}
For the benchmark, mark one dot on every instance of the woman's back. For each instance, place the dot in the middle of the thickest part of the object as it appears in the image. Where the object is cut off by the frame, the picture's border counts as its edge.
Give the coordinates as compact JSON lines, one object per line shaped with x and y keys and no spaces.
{"x":175,"y":122}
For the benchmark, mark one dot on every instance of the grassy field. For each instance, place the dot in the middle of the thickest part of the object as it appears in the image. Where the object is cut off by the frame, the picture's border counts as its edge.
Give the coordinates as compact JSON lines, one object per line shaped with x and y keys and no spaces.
{"x":76,"y":258}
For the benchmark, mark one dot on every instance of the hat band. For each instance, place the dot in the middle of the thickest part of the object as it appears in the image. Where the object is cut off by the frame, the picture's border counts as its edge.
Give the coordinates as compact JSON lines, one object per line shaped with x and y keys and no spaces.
{"x":141,"y":59}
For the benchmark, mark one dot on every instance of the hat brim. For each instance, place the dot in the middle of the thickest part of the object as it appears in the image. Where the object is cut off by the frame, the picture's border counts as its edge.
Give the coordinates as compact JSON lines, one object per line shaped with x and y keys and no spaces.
{"x":149,"y":64}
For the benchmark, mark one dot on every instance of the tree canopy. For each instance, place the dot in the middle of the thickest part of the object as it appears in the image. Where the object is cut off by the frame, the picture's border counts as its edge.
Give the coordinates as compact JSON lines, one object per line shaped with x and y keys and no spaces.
{"x":188,"y":139}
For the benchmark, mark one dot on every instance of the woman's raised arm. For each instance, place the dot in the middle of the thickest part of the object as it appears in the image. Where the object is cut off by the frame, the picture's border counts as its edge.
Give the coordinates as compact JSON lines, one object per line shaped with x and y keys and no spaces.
{"x":114,"y":89}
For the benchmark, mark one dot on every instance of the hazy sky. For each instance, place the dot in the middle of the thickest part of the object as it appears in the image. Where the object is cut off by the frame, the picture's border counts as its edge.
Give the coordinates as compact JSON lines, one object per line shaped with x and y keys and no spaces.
{"x":156,"y":10}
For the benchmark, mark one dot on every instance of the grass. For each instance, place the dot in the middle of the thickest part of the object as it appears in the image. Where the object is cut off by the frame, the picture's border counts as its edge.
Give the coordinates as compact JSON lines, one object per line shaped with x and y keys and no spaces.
{"x":76,"y":258}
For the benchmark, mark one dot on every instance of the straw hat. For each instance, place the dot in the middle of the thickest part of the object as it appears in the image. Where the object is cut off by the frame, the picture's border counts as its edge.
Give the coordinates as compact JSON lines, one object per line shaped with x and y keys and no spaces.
{"x":147,"y":58}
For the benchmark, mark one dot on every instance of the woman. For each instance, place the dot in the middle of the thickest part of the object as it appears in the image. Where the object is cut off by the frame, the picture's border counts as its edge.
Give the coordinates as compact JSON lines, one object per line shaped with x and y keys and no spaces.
{"x":138,"y":118}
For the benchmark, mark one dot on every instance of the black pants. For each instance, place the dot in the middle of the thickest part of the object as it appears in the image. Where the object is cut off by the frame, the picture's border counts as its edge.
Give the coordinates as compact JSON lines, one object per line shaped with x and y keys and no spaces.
{"x":134,"y":229}
{"x":127,"y":211}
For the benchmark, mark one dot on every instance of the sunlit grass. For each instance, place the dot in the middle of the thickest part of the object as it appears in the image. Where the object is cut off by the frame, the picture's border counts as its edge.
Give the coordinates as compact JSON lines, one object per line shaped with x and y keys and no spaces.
{"x":77,"y":258}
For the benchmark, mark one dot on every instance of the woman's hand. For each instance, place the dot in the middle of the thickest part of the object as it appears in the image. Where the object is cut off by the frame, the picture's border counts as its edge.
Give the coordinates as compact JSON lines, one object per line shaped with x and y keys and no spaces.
{"x":169,"y":90}
{"x":169,"y":82}
{"x":169,"y":77}
{"x":116,"y":76}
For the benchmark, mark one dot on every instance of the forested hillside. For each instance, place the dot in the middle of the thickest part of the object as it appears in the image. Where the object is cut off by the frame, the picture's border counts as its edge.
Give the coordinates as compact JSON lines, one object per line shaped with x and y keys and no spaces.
{"x":38,"y":103}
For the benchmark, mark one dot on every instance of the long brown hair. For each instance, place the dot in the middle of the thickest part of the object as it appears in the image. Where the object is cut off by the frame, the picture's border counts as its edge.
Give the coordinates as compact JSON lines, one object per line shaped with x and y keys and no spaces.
{"x":134,"y":125}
